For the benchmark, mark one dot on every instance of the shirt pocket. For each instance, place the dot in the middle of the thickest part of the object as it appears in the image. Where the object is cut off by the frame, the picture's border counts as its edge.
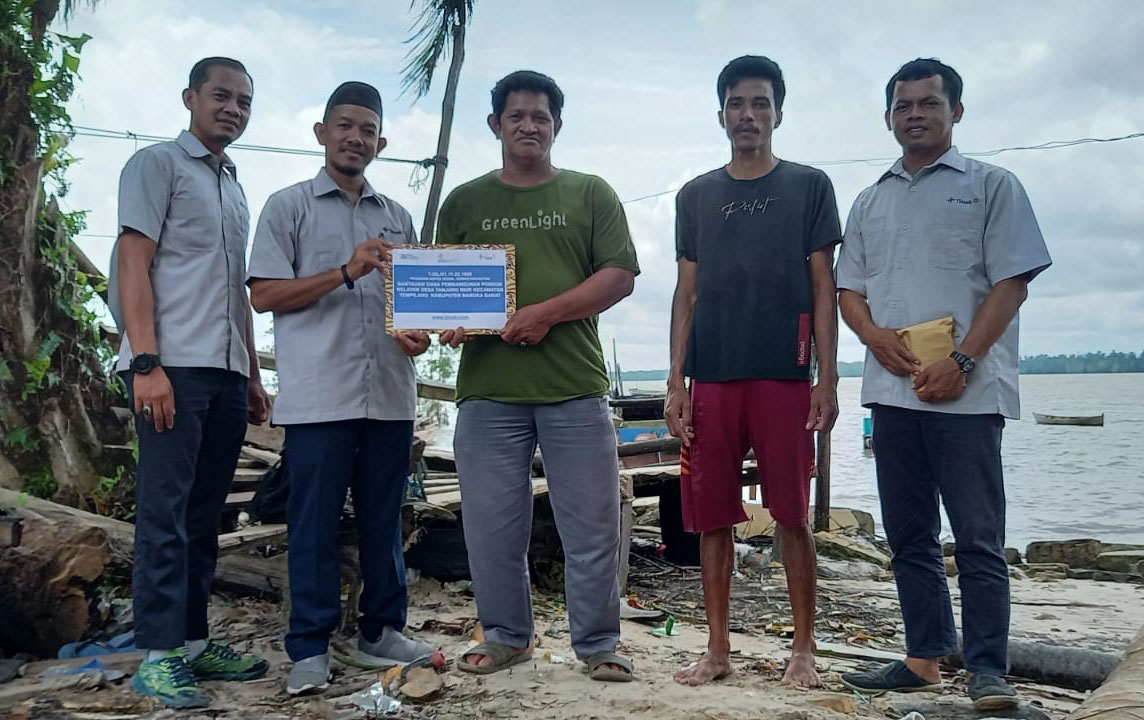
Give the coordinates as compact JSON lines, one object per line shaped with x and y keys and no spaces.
{"x":875,"y":245}
{"x":956,"y":240}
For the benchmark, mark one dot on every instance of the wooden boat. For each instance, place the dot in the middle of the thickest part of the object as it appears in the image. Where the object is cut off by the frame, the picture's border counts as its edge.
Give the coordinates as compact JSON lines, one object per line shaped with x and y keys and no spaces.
{"x":1089,"y":420}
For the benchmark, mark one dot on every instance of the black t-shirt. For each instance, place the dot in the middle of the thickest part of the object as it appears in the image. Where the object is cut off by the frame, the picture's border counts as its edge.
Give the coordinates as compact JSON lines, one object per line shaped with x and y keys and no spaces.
{"x":752,"y":240}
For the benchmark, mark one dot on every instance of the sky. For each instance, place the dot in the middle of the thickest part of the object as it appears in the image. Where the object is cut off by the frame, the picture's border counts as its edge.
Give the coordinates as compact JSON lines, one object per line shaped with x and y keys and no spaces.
{"x":640,"y":111}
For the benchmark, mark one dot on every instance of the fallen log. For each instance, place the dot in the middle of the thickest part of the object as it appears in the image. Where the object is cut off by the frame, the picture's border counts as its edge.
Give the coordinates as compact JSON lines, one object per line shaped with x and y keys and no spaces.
{"x":49,"y":585}
{"x":1121,"y":697}
{"x":1059,"y":665}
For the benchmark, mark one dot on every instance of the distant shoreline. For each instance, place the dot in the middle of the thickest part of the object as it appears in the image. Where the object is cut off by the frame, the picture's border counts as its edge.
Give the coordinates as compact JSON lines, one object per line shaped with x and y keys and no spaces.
{"x":847,"y":369}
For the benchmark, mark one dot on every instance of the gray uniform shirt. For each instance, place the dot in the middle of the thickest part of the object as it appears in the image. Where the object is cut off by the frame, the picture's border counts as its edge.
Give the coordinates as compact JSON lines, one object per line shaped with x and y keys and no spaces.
{"x":335,"y":360}
{"x":182,"y":197}
{"x":934,"y":244}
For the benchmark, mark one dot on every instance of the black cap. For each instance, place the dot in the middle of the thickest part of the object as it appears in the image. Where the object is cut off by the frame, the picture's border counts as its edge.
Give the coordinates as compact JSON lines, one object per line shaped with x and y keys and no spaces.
{"x":355,"y":93}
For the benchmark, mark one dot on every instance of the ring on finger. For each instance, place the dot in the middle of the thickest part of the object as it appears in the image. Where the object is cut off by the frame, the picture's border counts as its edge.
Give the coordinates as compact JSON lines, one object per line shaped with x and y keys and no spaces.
{"x":146,"y":409}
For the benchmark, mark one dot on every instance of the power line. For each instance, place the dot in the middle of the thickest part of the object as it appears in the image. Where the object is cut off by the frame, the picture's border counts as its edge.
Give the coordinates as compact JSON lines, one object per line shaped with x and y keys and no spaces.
{"x":104,"y":134}
{"x":1051,"y":145}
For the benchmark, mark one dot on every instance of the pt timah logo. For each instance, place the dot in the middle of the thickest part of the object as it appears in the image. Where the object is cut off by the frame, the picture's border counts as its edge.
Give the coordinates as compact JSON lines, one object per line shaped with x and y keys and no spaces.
{"x":960,"y":201}
{"x":751,"y":207}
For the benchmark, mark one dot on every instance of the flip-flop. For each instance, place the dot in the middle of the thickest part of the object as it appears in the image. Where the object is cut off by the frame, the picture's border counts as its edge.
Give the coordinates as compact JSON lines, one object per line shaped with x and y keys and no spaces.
{"x":597,"y":671}
{"x":502,"y":657}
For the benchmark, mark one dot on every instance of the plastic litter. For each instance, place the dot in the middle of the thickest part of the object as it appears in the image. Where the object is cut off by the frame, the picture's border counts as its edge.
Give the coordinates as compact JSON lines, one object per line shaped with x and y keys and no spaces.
{"x":375,"y":702}
{"x":668,"y":629}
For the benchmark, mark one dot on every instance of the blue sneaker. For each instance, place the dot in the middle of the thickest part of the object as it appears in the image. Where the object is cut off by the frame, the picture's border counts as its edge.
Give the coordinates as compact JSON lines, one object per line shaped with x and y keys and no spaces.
{"x":171,"y":681}
{"x":893,"y":677}
{"x":990,"y":692}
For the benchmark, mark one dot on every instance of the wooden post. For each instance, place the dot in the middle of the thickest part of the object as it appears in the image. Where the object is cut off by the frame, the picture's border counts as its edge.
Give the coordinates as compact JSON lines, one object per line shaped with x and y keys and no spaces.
{"x":440,"y":160}
{"x":822,"y":485}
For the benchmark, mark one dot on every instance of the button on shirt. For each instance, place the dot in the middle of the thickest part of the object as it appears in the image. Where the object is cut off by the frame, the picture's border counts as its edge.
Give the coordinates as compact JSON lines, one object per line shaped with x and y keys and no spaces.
{"x":334,"y":358}
{"x":934,"y":244}
{"x":190,"y":203}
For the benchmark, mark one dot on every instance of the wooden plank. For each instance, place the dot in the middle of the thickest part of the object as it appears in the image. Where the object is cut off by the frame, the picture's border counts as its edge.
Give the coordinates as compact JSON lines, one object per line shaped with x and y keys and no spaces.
{"x":240,"y":473}
{"x":452,"y":500}
{"x":822,"y":485}
{"x":235,"y":499}
{"x":263,"y":456}
{"x":260,"y":534}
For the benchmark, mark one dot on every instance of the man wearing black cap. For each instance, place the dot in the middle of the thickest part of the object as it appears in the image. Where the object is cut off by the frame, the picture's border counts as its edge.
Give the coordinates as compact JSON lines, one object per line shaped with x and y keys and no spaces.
{"x":347,"y":392}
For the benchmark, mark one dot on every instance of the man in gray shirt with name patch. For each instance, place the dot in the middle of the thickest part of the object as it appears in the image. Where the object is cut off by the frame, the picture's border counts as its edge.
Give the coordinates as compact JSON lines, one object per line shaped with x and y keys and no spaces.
{"x":188,"y":359}
{"x":347,"y":392}
{"x":940,"y":234}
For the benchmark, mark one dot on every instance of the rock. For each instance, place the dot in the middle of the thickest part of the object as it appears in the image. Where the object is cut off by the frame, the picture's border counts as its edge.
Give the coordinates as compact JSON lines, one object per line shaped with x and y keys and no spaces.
{"x":950,"y":566}
{"x":837,"y":702}
{"x":1013,"y":556}
{"x":1017,"y":573}
{"x":1106,"y":576}
{"x":1114,"y":547}
{"x":1081,"y":574}
{"x":1046,"y":571}
{"x":1080,"y":554}
{"x":422,"y":684}
{"x":1138,"y":568}
{"x":1119,"y":561}
{"x":948,"y":549}
{"x":846,"y":547}
{"x":849,"y":570}
{"x":1046,"y":616}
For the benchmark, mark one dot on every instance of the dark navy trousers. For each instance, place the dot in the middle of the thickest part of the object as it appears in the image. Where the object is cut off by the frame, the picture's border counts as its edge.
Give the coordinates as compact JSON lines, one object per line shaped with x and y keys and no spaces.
{"x":370,"y":457}
{"x":923,"y":457}
{"x":182,"y":478}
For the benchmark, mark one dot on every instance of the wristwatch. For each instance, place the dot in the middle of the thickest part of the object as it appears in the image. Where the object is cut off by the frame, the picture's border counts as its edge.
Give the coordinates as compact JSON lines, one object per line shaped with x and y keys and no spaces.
{"x":964,"y":362}
{"x":144,"y":363}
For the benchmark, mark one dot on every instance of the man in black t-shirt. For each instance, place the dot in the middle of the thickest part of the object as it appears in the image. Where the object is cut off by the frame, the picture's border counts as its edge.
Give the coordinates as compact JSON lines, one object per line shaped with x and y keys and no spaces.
{"x":755,"y":247}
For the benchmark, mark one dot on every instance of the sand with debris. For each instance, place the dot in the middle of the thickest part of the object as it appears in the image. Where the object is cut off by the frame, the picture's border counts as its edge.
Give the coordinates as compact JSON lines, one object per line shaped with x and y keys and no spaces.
{"x":1100,"y":616}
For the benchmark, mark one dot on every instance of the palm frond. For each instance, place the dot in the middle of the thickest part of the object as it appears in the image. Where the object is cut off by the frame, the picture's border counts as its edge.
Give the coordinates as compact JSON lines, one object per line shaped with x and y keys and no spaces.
{"x":432,"y":39}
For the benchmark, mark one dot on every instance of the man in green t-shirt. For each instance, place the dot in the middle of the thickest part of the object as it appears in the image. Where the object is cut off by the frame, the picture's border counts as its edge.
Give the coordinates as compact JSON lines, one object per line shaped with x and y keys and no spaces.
{"x":541,"y":381}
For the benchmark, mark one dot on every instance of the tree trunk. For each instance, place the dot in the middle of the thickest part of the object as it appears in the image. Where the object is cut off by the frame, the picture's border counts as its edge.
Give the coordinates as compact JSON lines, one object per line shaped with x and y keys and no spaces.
{"x":48,"y":586}
{"x":55,"y":395}
{"x":440,"y":160}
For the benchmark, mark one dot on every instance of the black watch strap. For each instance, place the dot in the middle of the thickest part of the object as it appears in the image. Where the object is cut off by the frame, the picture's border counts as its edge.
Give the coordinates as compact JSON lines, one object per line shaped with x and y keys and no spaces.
{"x":346,"y":277}
{"x":964,"y":362}
{"x":144,"y":363}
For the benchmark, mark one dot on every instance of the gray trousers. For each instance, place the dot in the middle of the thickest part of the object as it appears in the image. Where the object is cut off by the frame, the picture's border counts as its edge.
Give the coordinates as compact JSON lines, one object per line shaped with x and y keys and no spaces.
{"x":494,"y":444}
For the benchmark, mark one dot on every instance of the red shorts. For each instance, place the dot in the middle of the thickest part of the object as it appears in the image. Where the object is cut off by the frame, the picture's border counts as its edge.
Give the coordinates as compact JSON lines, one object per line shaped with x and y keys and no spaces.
{"x":729,"y":418}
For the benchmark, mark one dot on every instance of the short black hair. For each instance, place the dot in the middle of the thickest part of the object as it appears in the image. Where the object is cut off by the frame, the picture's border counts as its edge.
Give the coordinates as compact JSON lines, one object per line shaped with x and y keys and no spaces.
{"x":923,"y":68}
{"x":752,"y":66}
{"x":527,"y":81}
{"x":202,"y":70}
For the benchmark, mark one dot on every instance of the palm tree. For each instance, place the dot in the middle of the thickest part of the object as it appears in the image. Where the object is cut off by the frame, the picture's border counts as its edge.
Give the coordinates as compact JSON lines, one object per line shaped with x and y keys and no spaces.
{"x":440,"y":28}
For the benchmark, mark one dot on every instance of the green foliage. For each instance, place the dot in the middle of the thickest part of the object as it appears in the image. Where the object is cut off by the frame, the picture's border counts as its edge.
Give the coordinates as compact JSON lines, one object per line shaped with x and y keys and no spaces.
{"x":42,"y":483}
{"x":432,"y":37}
{"x":104,"y":495}
{"x":1098,"y":362}
{"x":438,"y":363}
{"x":22,"y":438}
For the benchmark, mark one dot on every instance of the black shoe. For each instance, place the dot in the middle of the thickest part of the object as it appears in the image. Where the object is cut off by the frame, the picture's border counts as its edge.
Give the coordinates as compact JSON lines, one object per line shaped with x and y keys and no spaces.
{"x":990,"y":692}
{"x":894,"y":677}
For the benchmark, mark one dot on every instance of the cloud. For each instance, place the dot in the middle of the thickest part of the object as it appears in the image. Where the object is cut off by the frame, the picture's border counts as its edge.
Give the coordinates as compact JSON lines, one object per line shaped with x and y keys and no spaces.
{"x":641,"y":113}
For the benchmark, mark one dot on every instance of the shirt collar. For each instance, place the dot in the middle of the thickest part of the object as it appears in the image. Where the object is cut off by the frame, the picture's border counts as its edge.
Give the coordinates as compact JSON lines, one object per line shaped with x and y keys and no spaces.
{"x":195,"y":148}
{"x":950,"y":158}
{"x":323,"y":184}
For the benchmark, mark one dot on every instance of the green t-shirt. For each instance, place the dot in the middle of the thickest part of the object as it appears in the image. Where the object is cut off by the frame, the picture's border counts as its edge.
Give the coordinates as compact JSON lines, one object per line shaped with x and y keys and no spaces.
{"x":564,"y":230}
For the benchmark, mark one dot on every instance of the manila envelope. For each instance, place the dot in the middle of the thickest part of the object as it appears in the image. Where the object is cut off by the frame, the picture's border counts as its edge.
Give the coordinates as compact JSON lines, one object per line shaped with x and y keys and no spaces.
{"x":930,"y":341}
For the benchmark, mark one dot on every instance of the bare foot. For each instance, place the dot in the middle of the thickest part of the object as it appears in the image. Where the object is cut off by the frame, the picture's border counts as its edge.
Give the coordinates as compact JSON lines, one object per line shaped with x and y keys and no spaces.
{"x":800,"y":671}
{"x":708,"y":669}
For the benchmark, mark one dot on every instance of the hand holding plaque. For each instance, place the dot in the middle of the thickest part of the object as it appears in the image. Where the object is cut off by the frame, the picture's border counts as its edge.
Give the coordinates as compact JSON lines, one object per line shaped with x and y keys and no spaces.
{"x":432,"y":289}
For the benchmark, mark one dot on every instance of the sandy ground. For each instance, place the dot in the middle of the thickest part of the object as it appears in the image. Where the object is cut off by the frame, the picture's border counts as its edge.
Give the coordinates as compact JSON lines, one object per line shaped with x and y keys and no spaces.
{"x":1100,"y":616}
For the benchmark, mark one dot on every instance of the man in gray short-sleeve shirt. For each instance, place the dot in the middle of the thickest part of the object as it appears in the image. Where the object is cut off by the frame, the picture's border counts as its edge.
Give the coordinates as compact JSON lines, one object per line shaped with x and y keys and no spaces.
{"x":940,"y":234}
{"x":347,"y":392}
{"x":188,"y":359}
